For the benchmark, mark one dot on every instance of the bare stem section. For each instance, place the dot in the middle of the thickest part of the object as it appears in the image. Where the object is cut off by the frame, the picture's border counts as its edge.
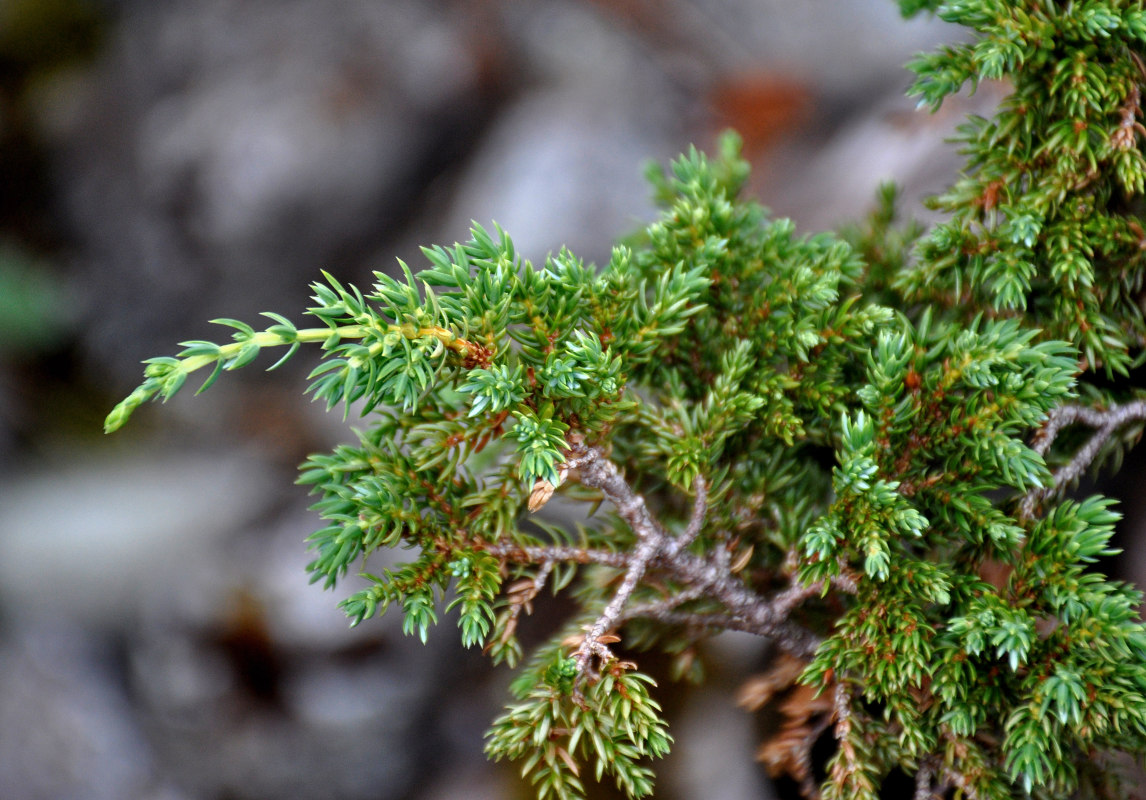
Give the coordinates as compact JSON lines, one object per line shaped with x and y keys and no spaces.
{"x":708,"y":578}
{"x":1105,"y":421}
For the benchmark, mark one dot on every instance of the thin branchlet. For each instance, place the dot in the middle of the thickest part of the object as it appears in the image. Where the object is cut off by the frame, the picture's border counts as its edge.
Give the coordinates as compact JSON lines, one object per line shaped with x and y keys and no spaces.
{"x":597,"y":472}
{"x":1106,"y":422}
{"x":556,"y":554}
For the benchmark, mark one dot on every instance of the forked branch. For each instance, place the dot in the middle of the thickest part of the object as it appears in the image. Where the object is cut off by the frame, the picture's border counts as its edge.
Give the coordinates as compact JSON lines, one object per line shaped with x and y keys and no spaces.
{"x":707,"y":578}
{"x":1106,"y":423}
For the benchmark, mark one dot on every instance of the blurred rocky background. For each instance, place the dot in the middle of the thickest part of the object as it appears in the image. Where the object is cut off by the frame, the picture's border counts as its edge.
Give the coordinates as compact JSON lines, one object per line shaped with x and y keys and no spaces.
{"x":163,"y":163}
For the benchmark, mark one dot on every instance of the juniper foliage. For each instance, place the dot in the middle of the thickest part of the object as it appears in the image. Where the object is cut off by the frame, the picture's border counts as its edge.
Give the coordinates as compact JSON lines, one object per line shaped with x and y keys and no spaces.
{"x":848,"y":444}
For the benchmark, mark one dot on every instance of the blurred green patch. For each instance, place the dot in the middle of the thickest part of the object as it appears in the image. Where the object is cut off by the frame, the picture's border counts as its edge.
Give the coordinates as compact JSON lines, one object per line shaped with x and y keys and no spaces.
{"x":41,"y":35}
{"x":35,"y":313}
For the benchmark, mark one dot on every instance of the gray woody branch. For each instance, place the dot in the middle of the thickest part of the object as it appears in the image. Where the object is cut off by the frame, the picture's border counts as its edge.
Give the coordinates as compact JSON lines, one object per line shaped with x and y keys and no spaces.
{"x":708,"y":578}
{"x":1106,"y":423}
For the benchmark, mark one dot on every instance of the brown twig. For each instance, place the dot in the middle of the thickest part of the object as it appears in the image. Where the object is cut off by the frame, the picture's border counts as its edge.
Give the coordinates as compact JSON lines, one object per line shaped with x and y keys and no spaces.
{"x":521,"y":595}
{"x":1129,"y":128}
{"x":706,"y":577}
{"x":844,"y":764}
{"x":525,"y":554}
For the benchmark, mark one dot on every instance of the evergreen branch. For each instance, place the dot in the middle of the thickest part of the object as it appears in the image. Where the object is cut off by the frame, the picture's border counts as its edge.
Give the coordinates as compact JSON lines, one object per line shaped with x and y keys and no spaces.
{"x":597,"y":472}
{"x":652,"y":543}
{"x":701,"y":620}
{"x":165,"y":376}
{"x":757,"y":615}
{"x":724,"y":355}
{"x":791,"y":638}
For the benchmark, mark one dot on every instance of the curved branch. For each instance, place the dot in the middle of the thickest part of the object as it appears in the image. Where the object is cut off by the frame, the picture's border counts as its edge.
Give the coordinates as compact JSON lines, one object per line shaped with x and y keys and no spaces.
{"x":1105,"y":421}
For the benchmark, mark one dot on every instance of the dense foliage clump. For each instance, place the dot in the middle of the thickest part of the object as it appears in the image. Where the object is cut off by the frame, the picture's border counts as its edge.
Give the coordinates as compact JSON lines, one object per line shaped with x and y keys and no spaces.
{"x":848,"y":444}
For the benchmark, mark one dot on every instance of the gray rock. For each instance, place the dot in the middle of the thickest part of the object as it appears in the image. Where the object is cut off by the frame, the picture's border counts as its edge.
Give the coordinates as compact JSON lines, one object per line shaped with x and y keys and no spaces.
{"x":67,"y":731}
{"x":561,"y":165}
{"x":96,"y":538}
{"x":225,"y":151}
